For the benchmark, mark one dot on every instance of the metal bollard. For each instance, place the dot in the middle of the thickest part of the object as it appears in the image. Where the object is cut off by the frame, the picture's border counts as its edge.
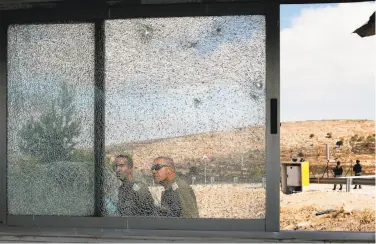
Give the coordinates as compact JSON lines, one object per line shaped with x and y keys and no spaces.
{"x":212,"y":180}
{"x":193,"y":180}
{"x":348,"y":184}
{"x":264,"y":183}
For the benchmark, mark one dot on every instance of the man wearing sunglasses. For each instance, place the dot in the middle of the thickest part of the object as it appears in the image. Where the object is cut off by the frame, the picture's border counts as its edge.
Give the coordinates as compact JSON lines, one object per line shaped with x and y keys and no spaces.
{"x":178,"y":198}
{"x":134,"y":198}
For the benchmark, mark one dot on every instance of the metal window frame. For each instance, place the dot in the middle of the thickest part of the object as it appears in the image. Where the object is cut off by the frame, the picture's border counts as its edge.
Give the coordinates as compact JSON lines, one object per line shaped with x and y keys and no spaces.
{"x":97,"y":14}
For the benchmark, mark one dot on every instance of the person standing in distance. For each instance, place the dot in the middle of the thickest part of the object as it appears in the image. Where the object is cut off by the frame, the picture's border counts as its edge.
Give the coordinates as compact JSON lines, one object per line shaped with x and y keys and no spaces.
{"x":338,"y":173}
{"x":358,"y":171}
{"x":178,"y":198}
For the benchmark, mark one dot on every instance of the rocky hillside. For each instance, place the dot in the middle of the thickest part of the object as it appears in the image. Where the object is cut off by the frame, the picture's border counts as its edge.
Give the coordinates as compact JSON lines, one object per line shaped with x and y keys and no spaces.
{"x":214,"y":145}
{"x":244,"y":147}
{"x":355,"y":139}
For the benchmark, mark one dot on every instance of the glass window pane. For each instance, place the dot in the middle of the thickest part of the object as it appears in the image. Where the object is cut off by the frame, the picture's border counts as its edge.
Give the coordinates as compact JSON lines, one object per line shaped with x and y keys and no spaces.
{"x":192,"y":90}
{"x":50,"y":119}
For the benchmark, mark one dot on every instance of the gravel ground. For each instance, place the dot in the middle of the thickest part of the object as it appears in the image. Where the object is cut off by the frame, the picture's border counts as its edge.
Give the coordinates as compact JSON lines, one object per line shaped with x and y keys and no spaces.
{"x":298,"y":210}
{"x":244,"y":201}
{"x":323,"y":196}
{"x":238,"y":201}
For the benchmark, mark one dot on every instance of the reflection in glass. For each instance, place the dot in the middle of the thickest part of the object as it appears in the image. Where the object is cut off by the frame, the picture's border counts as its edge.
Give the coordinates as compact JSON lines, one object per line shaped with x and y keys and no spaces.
{"x":50,"y":120}
{"x":192,"y":90}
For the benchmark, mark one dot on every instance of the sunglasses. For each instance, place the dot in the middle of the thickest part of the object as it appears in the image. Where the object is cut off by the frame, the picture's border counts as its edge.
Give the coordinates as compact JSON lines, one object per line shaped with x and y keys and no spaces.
{"x":158,"y":166}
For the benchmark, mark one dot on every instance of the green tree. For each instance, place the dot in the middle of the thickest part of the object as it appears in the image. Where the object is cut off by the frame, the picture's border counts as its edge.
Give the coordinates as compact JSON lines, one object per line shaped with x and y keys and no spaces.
{"x":51,"y":137}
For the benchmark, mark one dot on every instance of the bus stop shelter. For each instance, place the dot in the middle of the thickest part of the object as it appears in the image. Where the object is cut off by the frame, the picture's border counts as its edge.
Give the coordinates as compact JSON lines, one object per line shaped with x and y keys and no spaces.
{"x":18,"y":227}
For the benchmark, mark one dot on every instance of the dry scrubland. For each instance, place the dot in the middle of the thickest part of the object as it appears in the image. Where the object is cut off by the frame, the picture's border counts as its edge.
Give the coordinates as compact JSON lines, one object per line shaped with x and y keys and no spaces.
{"x":310,"y":137}
{"x":239,"y":201}
{"x":230,"y":201}
{"x":297,"y":211}
{"x":307,"y":137}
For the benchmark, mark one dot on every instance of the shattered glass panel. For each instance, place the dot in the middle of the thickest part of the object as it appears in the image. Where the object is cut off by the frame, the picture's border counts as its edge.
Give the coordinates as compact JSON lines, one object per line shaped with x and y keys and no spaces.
{"x":51,"y":119}
{"x":185,"y":96}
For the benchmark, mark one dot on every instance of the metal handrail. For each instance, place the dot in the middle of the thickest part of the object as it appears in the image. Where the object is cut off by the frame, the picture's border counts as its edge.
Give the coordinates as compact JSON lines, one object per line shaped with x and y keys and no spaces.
{"x":343,"y":180}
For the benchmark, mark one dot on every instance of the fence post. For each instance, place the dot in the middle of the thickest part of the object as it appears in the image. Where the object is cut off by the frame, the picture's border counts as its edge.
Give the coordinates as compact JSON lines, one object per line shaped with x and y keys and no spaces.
{"x":264,"y":182}
{"x":193,"y":180}
{"x":212,"y":180}
{"x":348,"y":184}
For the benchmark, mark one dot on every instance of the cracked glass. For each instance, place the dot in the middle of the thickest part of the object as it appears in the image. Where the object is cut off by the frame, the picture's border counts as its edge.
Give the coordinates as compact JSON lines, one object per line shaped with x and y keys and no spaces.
{"x":50,"y":129}
{"x":185,"y":117}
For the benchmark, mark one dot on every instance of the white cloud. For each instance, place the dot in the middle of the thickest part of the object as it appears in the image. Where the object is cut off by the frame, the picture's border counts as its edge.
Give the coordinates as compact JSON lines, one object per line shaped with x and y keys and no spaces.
{"x":182,"y":59}
{"x":326,"y":71}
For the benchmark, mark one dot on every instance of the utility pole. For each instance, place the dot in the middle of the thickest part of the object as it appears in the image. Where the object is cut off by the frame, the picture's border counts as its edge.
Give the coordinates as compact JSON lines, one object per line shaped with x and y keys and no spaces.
{"x":205,"y":160}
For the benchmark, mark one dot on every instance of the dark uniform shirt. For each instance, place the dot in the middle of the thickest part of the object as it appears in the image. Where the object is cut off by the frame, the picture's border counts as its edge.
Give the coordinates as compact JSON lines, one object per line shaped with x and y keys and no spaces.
{"x":135,"y":199}
{"x":357,"y":168}
{"x":178,"y":200}
{"x":338,"y":171}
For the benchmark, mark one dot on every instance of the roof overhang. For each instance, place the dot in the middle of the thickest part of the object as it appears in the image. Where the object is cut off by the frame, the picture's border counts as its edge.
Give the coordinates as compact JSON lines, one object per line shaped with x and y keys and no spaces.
{"x":368,"y":29}
{"x":12,"y":4}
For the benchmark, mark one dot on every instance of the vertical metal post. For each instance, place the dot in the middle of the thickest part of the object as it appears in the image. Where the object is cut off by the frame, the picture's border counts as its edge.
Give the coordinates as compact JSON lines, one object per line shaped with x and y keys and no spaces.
{"x":263,"y":182}
{"x":3,"y":119}
{"x":348,"y":184}
{"x":272,"y":117}
{"x":327,"y":150}
{"x":99,"y":115}
{"x":205,"y":172}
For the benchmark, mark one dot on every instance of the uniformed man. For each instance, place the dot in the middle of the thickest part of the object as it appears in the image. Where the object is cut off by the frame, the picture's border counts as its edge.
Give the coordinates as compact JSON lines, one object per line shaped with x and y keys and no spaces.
{"x":358,"y":171}
{"x":178,"y":198}
{"x":134,"y":198}
{"x":338,"y":173}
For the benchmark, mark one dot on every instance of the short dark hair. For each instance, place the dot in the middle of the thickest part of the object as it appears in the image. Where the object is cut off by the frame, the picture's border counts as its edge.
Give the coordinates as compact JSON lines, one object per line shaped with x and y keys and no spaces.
{"x":128,"y":159}
{"x":167,"y":161}
{"x":357,"y":161}
{"x":338,"y":162}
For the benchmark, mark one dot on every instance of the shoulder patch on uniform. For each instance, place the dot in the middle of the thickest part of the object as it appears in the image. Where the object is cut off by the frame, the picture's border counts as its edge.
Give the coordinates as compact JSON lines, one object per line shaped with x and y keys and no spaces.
{"x":135,"y":187}
{"x":174,"y":186}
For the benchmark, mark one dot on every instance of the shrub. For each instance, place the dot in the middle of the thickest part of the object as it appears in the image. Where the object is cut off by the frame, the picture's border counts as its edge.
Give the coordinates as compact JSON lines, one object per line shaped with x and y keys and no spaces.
{"x":311,"y":136}
{"x":193,"y":170}
{"x":339,"y":143}
{"x":370,"y":138}
{"x":367,"y":216}
{"x":329,"y":135}
{"x":355,"y":137}
{"x":82,"y":155}
{"x":51,"y":138}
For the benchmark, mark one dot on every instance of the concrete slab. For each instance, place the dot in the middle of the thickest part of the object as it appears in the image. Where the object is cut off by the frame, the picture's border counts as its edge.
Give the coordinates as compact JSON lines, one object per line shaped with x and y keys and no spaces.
{"x":21,"y":234}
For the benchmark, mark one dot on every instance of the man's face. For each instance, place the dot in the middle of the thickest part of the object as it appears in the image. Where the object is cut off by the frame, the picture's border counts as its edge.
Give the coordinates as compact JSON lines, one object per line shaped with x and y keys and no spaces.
{"x":122,"y":170}
{"x":160,"y":172}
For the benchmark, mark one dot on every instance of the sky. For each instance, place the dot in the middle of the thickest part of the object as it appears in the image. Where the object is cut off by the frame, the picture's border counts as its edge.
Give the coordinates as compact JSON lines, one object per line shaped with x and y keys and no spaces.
{"x":327,"y":72}
{"x":164,"y":77}
{"x":152,"y":82}
{"x":171,"y":77}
